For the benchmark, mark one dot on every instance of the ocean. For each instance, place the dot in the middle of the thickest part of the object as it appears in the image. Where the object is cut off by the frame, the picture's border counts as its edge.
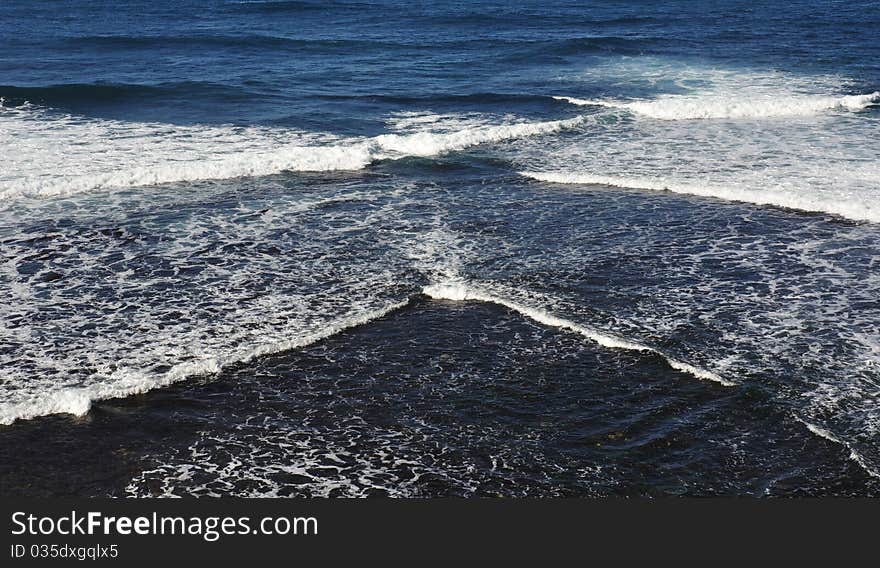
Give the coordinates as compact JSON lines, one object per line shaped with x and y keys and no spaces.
{"x":423,"y":249}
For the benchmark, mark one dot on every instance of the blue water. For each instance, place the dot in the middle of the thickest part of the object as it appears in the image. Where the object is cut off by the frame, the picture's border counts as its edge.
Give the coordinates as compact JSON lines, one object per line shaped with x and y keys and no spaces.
{"x":342,"y":65}
{"x":446,"y":248}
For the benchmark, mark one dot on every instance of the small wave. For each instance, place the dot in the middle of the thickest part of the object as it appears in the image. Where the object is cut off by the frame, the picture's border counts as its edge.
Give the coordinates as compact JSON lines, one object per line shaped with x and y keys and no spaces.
{"x":70,"y":95}
{"x":801,"y":201}
{"x":228,"y":42}
{"x":459,"y":292}
{"x":475,"y":99}
{"x":853,"y":454}
{"x":687,"y":107}
{"x":128,"y":382}
{"x":601,"y":44}
{"x":275,"y":6}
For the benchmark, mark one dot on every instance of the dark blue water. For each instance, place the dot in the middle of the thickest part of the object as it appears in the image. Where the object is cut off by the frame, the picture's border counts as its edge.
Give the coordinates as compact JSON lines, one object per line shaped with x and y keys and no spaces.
{"x":449,"y":248}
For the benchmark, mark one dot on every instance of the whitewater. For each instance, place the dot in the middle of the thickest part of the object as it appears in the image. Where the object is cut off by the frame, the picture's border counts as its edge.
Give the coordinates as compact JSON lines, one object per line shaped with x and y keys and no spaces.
{"x":832,"y":173}
{"x":450,"y":249}
{"x":87,"y":155}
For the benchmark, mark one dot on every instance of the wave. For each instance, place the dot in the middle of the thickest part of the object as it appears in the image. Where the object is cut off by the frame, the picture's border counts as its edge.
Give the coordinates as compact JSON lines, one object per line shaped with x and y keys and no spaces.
{"x":275,"y":6}
{"x":801,"y":201}
{"x":431,"y":144}
{"x":67,"y":95}
{"x":853,"y":454}
{"x":600,"y":44}
{"x":128,"y":382}
{"x":459,"y":292}
{"x":446,"y":98}
{"x":211,"y":153}
{"x":228,"y":41}
{"x":720,"y":106}
{"x":72,"y":94}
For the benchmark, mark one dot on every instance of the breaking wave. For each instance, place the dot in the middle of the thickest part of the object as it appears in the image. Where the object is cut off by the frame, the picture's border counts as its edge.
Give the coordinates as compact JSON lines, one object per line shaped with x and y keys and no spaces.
{"x":66,"y":155}
{"x":728,"y":106}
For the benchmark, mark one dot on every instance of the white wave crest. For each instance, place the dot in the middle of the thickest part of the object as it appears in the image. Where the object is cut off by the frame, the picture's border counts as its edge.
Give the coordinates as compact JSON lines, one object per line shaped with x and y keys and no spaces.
{"x":433,"y":144}
{"x":459,"y":291}
{"x":858,"y":210}
{"x":853,"y":454}
{"x":732,"y":106}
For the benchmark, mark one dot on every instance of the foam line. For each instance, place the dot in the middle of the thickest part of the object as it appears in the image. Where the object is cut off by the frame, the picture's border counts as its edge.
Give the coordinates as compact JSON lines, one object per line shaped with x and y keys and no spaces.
{"x":462,"y":292}
{"x":855,"y":210}
{"x":728,"y":106}
{"x":128,"y":382}
{"x":853,"y":454}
